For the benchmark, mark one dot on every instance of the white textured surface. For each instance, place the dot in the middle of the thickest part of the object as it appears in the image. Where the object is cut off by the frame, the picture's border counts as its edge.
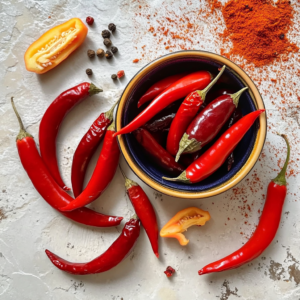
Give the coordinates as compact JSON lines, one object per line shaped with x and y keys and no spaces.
{"x":28,"y":225}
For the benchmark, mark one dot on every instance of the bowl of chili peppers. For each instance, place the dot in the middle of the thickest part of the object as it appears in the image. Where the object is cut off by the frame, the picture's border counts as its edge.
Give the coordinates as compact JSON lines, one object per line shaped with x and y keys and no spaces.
{"x":191,"y":124}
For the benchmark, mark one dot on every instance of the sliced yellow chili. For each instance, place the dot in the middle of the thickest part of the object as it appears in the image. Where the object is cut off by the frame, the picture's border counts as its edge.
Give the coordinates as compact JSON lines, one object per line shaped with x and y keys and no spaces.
{"x":182,"y":221}
{"x":54,"y":46}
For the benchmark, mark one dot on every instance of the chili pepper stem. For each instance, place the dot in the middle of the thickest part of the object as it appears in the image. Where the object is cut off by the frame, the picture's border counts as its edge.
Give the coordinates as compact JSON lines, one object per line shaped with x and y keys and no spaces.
{"x":204,"y":92}
{"x":128,"y":182}
{"x":112,"y":127}
{"x":22,"y":133}
{"x":236,"y":97}
{"x":187,"y":145}
{"x":109,"y":114}
{"x":280,"y":179}
{"x":94,"y":90}
{"x":181,"y":178}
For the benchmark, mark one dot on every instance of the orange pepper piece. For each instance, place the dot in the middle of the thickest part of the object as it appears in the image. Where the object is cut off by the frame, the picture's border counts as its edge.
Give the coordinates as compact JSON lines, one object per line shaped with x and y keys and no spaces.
{"x":54,"y":46}
{"x":182,"y":221}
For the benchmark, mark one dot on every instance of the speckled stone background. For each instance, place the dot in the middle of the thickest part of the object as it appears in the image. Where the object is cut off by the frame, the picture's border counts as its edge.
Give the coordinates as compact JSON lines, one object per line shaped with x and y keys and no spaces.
{"x":28,"y":225}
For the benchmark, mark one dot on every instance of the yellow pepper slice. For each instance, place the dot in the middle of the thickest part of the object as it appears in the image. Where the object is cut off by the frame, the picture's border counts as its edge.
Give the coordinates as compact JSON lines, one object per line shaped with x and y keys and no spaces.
{"x":54,"y":46}
{"x":182,"y":221}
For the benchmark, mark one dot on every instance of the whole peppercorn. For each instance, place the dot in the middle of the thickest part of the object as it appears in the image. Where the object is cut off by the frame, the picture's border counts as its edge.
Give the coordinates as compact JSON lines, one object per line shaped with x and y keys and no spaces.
{"x":114,"y":49}
{"x":114,"y":76}
{"x":91,"y":53}
{"x":112,"y":27}
{"x":100,"y":52}
{"x":107,"y":42}
{"x":108,"y":54}
{"x":281,"y":36}
{"x":89,"y":71}
{"x":90,"y":20}
{"x":105,"y":34}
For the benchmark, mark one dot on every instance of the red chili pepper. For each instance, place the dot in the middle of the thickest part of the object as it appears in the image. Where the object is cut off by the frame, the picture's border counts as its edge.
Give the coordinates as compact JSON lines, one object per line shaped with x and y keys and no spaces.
{"x":103,"y":174}
{"x":216,"y":155}
{"x":144,"y":211}
{"x":182,"y":87}
{"x":161,"y":156}
{"x":52,"y":119}
{"x":48,"y":188}
{"x":87,"y":147}
{"x":186,"y":113}
{"x":106,"y":261}
{"x":265,"y":230}
{"x":158,"y":88}
{"x":208,"y":123}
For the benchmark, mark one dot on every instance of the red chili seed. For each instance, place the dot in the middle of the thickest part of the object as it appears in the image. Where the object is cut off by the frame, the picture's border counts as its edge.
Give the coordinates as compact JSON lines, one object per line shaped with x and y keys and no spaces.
{"x":169,"y":271}
{"x":90,"y":20}
{"x":120,"y":74}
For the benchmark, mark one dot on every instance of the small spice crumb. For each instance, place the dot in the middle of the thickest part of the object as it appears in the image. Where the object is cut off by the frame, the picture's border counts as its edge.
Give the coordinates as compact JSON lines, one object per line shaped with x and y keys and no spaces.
{"x":114,"y":49}
{"x":135,"y":60}
{"x":107,"y":42}
{"x":108,"y":54}
{"x":89,"y":71}
{"x":112,"y":27}
{"x":100,"y":52}
{"x":91,"y":53}
{"x":169,"y":271}
{"x":281,"y":36}
{"x":114,"y":76}
{"x":120,"y":74}
{"x":105,"y":34}
{"x":90,"y":20}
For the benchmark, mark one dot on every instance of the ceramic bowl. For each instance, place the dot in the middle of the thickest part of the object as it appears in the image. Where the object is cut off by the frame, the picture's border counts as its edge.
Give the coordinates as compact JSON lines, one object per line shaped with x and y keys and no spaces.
{"x":247,"y":152}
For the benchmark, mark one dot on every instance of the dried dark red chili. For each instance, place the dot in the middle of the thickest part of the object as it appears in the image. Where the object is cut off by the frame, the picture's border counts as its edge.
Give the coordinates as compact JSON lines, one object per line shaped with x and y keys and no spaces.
{"x":48,"y":188}
{"x":106,"y":261}
{"x":265,"y":230}
{"x":52,"y":119}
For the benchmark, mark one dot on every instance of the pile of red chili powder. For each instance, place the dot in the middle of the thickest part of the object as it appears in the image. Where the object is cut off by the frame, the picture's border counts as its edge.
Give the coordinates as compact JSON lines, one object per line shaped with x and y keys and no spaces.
{"x":257,"y":29}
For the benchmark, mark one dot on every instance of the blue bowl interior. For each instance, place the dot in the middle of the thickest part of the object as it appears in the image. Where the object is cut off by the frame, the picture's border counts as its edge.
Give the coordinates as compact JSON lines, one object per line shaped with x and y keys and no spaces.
{"x":172,"y":67}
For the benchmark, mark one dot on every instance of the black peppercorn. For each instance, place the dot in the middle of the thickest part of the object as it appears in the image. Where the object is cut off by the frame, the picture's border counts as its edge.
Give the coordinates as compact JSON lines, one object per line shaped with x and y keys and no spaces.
{"x":114,"y":49}
{"x":105,"y":34}
{"x":114,"y":76}
{"x":112,"y":27}
{"x":91,"y":53}
{"x":100,"y":52}
{"x":89,"y":71}
{"x":107,"y":42}
{"x":281,"y":36}
{"x":108,"y":54}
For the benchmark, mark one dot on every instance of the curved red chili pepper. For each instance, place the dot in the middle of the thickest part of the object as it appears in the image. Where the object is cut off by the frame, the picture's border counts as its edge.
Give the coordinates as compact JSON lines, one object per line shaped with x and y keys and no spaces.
{"x":52,"y":119}
{"x":106,"y":261}
{"x":144,"y":211}
{"x":158,"y":88}
{"x":216,"y":155}
{"x":265,"y":230}
{"x":87,"y":147}
{"x":197,"y":80}
{"x":48,"y":188}
{"x":103,"y":174}
{"x":161,"y":156}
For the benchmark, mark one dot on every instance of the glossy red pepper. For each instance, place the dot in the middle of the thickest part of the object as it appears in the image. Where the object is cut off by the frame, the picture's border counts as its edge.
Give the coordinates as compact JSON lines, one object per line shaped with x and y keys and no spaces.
{"x":103,"y":174}
{"x":48,"y":188}
{"x":217,"y":154}
{"x":158,"y":88}
{"x":208,"y":123}
{"x":52,"y":119}
{"x":87,"y":147}
{"x":161,"y":156}
{"x":197,"y":80}
{"x":106,"y":261}
{"x":265,"y":230}
{"x":144,"y":210}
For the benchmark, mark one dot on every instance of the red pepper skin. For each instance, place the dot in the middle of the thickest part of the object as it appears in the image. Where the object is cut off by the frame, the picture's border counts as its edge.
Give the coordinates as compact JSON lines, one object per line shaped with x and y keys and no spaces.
{"x":157,"y":152}
{"x":185,"y":115}
{"x":265,"y":231}
{"x":51,"y":121}
{"x":217,"y":154}
{"x":106,"y":261}
{"x":48,"y":188}
{"x":103,"y":174}
{"x":179,"y":89}
{"x":86,"y":148}
{"x":158,"y":88}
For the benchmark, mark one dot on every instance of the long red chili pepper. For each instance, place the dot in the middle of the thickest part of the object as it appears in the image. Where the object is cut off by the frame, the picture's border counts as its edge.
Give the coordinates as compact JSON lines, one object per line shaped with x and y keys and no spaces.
{"x":192,"y":82}
{"x":87,"y":147}
{"x":161,"y":156}
{"x":265,"y":230}
{"x":103,"y":174}
{"x":208,"y":123}
{"x":52,"y":119}
{"x":48,"y":188}
{"x":106,"y":261}
{"x":144,"y":210}
{"x":158,"y":88}
{"x":216,"y":155}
